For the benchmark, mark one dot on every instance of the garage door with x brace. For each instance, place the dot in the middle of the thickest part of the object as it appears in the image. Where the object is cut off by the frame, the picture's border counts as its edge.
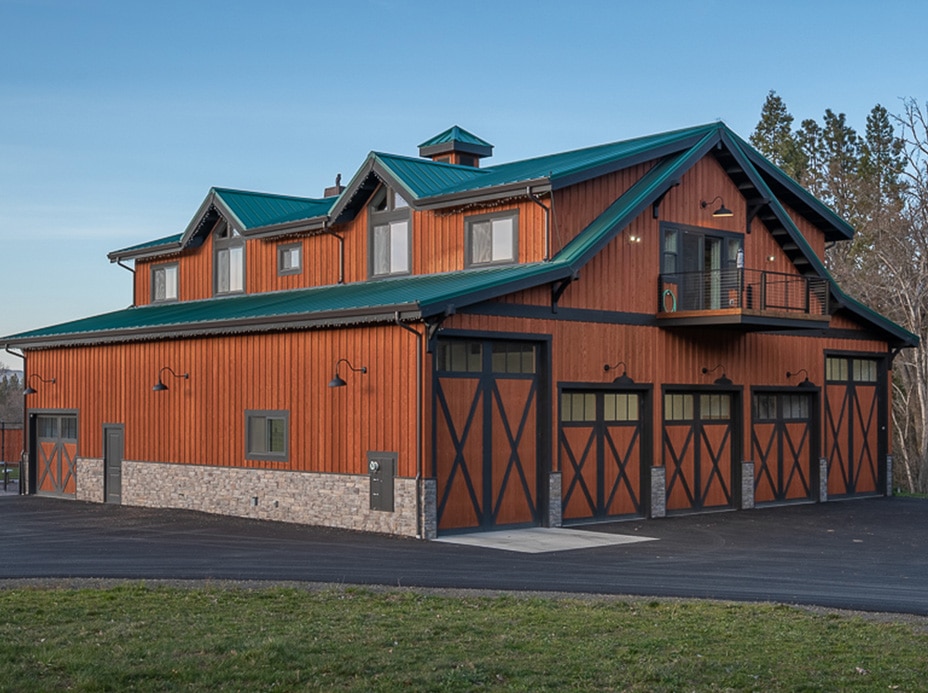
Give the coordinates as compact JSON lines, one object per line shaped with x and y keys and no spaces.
{"x":55,"y":453}
{"x":700,"y":439}
{"x":485,"y":433}
{"x":601,"y":443}
{"x":783,"y":441}
{"x":855,"y":425}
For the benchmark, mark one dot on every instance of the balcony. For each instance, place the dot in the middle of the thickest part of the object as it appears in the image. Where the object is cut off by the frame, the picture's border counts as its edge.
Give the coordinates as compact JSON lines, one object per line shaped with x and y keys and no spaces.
{"x":747,"y":299}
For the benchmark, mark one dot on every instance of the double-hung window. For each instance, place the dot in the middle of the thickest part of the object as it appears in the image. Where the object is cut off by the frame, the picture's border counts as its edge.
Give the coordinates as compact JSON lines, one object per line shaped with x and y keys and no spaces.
{"x":164,"y":283}
{"x":491,"y":239}
{"x":390,"y":248}
{"x":267,"y":435}
{"x":228,"y":260}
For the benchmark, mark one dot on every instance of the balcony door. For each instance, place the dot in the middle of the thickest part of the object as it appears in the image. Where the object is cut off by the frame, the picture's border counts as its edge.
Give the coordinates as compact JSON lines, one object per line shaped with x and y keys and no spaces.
{"x":700,"y":268}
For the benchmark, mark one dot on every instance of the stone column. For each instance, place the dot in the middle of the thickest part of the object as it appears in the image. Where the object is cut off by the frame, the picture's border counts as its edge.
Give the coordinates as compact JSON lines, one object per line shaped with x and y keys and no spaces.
{"x":658,"y":492}
{"x":822,"y":480}
{"x":555,"y":515}
{"x":747,"y":485}
{"x":429,"y":504}
{"x":889,"y":475}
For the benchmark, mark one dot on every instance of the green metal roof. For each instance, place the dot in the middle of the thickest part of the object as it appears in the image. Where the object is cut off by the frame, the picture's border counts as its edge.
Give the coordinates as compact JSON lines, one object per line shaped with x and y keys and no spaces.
{"x":167,"y":240}
{"x":413,"y":297}
{"x":455,"y":134}
{"x":255,"y":210}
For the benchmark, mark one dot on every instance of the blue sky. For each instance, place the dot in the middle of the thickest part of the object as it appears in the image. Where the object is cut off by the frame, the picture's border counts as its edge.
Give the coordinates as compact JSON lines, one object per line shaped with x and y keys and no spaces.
{"x":117,"y":117}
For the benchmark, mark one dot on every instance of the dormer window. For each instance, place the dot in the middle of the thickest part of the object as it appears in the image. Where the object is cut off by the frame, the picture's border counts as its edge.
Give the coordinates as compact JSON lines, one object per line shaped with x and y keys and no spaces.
{"x":389,"y":244}
{"x":491,"y":239}
{"x":289,"y":258}
{"x":164,"y":282}
{"x":228,"y":260}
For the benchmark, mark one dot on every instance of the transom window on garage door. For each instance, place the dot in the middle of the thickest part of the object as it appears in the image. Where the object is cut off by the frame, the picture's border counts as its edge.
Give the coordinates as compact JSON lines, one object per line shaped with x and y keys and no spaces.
{"x":712,"y":406}
{"x":467,"y":357}
{"x":795,"y":407}
{"x":842,"y":369}
{"x":581,"y":406}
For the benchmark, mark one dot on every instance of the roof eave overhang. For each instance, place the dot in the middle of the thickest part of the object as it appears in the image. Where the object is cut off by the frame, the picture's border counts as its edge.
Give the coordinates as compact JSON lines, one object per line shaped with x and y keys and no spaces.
{"x":276,"y":323}
{"x":145,"y":253}
{"x":538,"y":186}
{"x":291,"y":227}
{"x":456,"y":146}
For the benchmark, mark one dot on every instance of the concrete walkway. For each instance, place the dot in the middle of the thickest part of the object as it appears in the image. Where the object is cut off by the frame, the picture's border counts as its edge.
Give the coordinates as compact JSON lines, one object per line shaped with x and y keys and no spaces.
{"x":863,"y":554}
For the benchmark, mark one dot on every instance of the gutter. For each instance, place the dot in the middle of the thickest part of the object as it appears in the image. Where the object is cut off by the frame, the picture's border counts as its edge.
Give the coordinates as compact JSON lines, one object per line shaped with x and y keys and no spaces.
{"x":131,"y":269}
{"x":547,"y":234}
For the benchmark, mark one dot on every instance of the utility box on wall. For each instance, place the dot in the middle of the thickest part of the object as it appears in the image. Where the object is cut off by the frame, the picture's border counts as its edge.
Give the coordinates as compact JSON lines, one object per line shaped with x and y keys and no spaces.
{"x":381,"y":467}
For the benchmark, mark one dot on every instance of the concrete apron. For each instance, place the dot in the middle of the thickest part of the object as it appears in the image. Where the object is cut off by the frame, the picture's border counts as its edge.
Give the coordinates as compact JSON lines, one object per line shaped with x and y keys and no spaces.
{"x":541,"y":539}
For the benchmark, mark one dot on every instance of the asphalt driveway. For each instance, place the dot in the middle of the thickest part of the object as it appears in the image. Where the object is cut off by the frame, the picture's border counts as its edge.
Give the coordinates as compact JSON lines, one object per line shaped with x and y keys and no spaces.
{"x":864,"y":554}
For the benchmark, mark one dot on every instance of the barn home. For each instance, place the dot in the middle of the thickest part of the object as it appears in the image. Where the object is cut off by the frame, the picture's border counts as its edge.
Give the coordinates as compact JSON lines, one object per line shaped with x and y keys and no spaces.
{"x":443,"y":344}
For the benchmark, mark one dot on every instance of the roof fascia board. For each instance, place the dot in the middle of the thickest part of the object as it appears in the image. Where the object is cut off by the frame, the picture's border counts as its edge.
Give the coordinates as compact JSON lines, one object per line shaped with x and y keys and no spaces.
{"x":352,"y":189}
{"x":903,"y":337}
{"x":538,"y":186}
{"x":549,"y":272}
{"x":636,"y":199}
{"x":289,"y":227}
{"x":582,"y":174}
{"x":144,"y":253}
{"x":407,"y":311}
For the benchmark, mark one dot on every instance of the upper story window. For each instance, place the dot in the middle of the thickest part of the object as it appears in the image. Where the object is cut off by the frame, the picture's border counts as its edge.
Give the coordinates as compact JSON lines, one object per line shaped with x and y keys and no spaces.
{"x":289,"y":258}
{"x":390,"y":247}
{"x":164,"y":282}
{"x":701,"y":264}
{"x":228,"y":260}
{"x":491,"y":239}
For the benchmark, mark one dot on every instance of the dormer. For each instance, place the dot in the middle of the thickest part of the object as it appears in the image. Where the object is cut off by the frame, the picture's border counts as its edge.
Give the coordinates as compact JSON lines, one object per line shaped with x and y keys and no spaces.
{"x":456,"y":146}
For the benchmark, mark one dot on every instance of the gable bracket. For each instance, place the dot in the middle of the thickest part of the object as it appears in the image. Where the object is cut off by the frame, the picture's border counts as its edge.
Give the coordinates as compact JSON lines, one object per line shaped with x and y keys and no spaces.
{"x":754,"y":206}
{"x":655,"y":206}
{"x":558,"y":289}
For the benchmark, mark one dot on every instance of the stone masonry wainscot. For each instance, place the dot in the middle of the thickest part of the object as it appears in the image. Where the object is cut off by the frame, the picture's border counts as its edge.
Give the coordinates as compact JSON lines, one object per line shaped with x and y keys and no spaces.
{"x":334,"y":500}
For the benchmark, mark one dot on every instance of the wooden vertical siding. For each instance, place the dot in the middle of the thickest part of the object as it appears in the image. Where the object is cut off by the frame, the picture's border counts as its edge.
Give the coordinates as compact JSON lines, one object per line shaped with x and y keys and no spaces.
{"x":201,"y":420}
{"x":11,"y":443}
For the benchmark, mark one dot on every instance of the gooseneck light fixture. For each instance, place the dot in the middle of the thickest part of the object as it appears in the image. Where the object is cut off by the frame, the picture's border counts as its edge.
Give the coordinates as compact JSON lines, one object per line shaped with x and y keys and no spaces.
{"x":31,"y":390}
{"x":722,"y":211}
{"x":160,"y":386}
{"x":805,"y":382}
{"x":722,"y":379}
{"x":338,"y":381}
{"x":622,"y":379}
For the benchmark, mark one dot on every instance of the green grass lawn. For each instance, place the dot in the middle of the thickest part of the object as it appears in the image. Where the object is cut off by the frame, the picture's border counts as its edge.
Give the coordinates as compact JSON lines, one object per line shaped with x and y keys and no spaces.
{"x":147,"y":639}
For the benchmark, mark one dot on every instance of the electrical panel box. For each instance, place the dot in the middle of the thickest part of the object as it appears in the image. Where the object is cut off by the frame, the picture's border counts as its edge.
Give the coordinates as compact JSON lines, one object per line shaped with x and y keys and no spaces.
{"x":381,"y":466}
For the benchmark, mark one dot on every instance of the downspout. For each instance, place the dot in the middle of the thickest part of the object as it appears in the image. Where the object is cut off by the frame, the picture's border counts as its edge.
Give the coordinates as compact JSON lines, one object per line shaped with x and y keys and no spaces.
{"x":341,"y":249}
{"x":534,"y":198}
{"x":22,"y":454}
{"x":419,"y":426}
{"x":131,"y":269}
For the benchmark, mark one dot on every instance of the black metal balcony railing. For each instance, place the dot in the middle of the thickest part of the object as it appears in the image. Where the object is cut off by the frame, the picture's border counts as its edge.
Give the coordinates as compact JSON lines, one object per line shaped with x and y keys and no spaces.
{"x":744,"y":289}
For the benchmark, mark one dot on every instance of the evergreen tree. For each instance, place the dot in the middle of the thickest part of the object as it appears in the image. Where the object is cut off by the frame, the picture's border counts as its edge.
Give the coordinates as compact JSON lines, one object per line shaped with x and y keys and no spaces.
{"x":773,"y":137}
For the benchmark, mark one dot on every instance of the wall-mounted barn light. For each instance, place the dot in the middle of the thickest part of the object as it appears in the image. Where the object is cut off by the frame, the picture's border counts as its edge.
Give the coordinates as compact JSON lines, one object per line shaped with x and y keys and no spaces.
{"x":31,"y":390}
{"x":338,"y":381}
{"x":805,"y":382}
{"x":160,"y":386}
{"x":722,"y":211}
{"x":623,"y":379}
{"x":722,"y":379}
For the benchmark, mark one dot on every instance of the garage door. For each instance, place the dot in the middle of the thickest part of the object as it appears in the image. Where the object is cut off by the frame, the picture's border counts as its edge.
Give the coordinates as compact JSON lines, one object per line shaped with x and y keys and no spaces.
{"x":782,"y":447}
{"x":486,"y":426}
{"x":600,"y":442}
{"x":55,"y":454}
{"x":854,"y":420}
{"x":698,"y":450}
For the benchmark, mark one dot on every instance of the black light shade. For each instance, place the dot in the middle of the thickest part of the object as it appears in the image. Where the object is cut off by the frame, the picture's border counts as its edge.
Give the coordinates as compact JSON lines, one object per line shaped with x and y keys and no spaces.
{"x":338,"y":381}
{"x":722,"y":211}
{"x":160,"y":386}
{"x":31,"y":390}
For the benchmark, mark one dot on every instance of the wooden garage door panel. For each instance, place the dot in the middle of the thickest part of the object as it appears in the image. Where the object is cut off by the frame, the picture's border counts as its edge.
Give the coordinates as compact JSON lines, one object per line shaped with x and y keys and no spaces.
{"x":459,"y":458}
{"x":514,"y":438}
{"x":715,"y":465}
{"x":578,"y":466}
{"x":622,"y":470}
{"x":678,"y":446}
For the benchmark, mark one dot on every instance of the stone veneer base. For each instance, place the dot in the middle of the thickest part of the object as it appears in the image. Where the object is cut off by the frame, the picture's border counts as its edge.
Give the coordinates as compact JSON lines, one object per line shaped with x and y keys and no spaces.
{"x":331,"y":500}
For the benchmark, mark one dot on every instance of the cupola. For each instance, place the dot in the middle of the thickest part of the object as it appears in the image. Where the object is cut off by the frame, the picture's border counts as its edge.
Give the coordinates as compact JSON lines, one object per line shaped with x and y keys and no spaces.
{"x":456,"y":146}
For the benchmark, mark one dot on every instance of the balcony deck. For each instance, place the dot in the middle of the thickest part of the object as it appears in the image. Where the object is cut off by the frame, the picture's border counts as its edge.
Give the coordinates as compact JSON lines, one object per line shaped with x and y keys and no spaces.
{"x":742,"y":298}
